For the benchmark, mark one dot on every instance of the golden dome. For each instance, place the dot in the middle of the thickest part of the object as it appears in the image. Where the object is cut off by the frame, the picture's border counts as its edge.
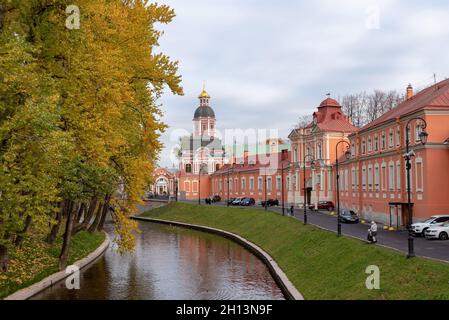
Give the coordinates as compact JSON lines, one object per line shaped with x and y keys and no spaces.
{"x":204,"y":94}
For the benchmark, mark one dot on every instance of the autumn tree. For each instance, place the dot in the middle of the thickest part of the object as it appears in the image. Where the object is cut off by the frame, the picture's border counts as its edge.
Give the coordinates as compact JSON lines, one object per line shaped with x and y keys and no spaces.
{"x":79,"y":117}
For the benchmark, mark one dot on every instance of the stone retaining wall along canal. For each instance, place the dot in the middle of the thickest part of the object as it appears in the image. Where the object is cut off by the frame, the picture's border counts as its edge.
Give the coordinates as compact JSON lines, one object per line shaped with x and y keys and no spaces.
{"x":288,"y":289}
{"x":48,"y":282}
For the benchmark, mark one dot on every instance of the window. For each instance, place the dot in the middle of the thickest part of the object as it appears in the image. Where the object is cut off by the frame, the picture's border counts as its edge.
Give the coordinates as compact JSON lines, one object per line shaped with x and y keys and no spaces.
{"x":353,"y":154}
{"x":391,"y":139}
{"x":346,"y":180}
{"x":269,"y":184}
{"x":376,"y":178}
{"x":341,"y":179}
{"x":353,"y":179}
{"x":243,"y":184}
{"x":217,"y":167}
{"x":391,"y":177}
{"x":288,"y":184}
{"x":384,"y":177}
{"x":370,"y":145}
{"x":398,"y":136}
{"x":320,"y":151}
{"x":398,"y":175}
{"x":187,"y":186}
{"x":364,"y":178}
{"x":363,"y":147}
{"x":376,"y":143}
{"x":188,"y":168}
{"x":230,"y":185}
{"x":370,"y":178}
{"x":220,"y":187}
{"x":278,"y":183}
{"x":260,"y":183}
{"x":419,"y":175}
{"x":329,"y":180}
{"x":384,"y":142}
{"x":418,"y":130}
{"x":251,"y":184}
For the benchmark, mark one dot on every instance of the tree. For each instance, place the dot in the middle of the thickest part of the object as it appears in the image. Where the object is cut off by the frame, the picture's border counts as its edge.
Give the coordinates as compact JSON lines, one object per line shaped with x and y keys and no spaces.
{"x":79,"y":115}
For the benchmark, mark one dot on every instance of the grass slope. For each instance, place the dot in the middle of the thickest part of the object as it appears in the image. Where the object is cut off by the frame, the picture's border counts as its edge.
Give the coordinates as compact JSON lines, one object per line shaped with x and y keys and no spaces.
{"x":318,"y":263}
{"x":37,"y":260}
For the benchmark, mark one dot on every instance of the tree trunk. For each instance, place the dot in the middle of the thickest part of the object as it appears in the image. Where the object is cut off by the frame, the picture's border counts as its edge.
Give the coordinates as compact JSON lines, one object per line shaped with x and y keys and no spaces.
{"x":64,"y":256}
{"x":87,"y":217}
{"x":93,"y":227}
{"x":19,"y":238}
{"x":104,"y":214}
{"x":4,"y":258}
{"x":51,"y":238}
{"x":81,"y":212}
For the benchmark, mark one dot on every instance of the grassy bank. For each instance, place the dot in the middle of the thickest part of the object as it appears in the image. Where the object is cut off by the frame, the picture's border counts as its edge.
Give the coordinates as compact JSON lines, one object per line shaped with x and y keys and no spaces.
{"x":318,"y":263}
{"x":37,"y":260}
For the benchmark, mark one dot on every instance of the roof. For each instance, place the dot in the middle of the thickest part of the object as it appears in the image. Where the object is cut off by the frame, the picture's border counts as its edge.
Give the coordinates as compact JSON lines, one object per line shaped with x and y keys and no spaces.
{"x":258,"y":162}
{"x":192,"y":144}
{"x":329,"y":103}
{"x":330,"y":117}
{"x":204,"y":112}
{"x":433,"y":97}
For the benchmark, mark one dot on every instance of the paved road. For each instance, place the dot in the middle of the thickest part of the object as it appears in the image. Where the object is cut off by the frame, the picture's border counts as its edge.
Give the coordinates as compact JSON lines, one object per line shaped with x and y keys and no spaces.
{"x":433,"y":249}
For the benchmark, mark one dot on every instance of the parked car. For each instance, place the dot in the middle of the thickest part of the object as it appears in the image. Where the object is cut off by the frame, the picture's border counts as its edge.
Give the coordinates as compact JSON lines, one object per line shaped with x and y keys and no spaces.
{"x":420,"y":228}
{"x":324,"y":205}
{"x":247,"y":202}
{"x":270,"y":203}
{"x":216,"y":198}
{"x":349,"y":216}
{"x":231,"y":200}
{"x":237,"y":201}
{"x":438,"y":232}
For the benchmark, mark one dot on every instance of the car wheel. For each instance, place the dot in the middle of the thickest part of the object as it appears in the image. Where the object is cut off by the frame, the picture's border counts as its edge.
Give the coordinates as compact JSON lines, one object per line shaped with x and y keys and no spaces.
{"x":443,"y":236}
{"x":424,"y":232}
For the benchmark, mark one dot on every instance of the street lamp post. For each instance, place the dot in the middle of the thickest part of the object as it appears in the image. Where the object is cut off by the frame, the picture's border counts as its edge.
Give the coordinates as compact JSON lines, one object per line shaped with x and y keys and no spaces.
{"x":348,"y":156}
{"x":200,"y":170}
{"x":176,"y":189}
{"x":312,"y":163}
{"x":423,"y":136}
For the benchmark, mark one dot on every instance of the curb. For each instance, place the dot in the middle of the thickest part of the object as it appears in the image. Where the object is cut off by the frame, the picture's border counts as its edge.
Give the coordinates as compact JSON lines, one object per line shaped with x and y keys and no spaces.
{"x":287,"y":288}
{"x":27,"y":293}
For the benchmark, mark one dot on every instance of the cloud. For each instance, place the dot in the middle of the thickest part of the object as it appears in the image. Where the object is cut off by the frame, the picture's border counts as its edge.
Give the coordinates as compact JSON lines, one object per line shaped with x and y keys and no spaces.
{"x":268,"y":62}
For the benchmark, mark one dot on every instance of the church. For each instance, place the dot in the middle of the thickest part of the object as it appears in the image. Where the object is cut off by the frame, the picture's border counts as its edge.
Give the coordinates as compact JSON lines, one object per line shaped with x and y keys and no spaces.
{"x":201,"y":154}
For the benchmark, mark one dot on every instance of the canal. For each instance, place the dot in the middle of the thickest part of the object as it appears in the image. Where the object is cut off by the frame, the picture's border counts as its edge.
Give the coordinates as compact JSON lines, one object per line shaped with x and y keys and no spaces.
{"x":171,"y":263}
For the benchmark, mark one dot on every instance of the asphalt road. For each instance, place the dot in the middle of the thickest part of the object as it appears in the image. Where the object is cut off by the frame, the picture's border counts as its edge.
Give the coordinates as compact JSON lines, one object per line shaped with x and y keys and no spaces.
{"x":433,"y":249}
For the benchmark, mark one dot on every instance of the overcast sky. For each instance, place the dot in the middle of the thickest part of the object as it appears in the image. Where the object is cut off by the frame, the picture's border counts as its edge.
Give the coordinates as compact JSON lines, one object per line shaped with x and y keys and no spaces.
{"x":268,"y":62}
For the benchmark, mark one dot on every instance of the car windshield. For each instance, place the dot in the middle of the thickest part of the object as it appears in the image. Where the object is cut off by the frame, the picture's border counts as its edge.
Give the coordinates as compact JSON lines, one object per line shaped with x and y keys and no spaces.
{"x":446,"y":224}
{"x":429,"y":220}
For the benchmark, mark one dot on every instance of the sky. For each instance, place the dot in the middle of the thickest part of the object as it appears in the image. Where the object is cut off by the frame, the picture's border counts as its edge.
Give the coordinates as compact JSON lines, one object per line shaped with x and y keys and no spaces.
{"x":266,"y":63}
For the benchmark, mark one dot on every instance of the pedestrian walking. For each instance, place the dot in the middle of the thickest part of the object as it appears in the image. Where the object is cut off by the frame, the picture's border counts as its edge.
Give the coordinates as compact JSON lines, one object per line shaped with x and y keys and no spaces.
{"x":372,"y":233}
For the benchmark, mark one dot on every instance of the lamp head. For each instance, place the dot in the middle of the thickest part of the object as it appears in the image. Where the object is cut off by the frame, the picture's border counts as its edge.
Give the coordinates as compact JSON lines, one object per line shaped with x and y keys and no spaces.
{"x":423,"y":137}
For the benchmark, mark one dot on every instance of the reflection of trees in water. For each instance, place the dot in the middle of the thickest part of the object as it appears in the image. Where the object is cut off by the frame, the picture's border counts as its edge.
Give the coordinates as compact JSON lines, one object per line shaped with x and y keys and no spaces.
{"x":174,"y":263}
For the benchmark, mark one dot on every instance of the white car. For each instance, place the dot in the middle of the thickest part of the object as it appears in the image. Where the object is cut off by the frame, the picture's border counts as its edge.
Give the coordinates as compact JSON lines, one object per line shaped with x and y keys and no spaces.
{"x":438,"y":232}
{"x":434,"y":221}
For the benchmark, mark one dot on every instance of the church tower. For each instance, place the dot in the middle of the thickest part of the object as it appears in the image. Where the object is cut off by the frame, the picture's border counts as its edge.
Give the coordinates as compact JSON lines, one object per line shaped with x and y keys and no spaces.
{"x":204,"y":118}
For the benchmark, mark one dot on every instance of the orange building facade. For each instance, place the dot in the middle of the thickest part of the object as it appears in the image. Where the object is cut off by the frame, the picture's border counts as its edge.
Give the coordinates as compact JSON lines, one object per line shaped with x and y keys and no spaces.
{"x":374,"y":181}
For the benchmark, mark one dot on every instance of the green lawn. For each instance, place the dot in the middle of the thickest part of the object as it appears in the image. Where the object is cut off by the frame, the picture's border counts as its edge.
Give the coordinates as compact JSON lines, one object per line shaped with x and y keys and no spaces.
{"x":37,"y":260}
{"x":319,"y":264}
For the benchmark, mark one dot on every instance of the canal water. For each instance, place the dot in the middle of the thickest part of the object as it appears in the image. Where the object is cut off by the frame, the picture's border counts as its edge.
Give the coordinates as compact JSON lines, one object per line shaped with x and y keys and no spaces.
{"x":171,"y":263}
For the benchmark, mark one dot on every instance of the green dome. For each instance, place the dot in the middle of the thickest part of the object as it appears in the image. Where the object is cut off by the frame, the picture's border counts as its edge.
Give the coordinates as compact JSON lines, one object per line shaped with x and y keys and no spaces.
{"x":204,"y":112}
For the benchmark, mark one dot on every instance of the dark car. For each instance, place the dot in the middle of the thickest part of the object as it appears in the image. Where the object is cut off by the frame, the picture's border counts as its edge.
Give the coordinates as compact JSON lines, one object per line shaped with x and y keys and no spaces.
{"x":324,"y":205}
{"x":270,"y":203}
{"x":349,"y":216}
{"x":230,"y":201}
{"x":216,"y":198}
{"x":247,"y":202}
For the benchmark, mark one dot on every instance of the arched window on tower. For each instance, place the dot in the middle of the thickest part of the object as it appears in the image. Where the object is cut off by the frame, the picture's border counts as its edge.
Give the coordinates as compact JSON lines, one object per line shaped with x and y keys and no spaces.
{"x":188,"y":168}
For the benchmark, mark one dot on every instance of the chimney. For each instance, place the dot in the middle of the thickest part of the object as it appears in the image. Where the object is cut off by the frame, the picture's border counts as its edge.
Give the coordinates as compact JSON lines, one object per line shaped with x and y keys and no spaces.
{"x":409,"y":92}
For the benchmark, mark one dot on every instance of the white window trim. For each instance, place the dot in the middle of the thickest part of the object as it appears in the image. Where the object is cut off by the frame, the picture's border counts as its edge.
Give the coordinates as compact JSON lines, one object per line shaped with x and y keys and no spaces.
{"x":419,"y":160}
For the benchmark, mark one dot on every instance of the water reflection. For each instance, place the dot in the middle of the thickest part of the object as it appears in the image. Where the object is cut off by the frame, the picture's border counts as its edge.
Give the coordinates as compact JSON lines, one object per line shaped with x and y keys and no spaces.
{"x":172,"y":264}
